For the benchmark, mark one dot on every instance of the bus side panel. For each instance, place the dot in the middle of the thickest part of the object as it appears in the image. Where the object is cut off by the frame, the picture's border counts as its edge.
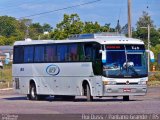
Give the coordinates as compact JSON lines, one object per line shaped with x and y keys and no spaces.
{"x":20,"y":84}
{"x":60,"y":85}
{"x":53,"y":78}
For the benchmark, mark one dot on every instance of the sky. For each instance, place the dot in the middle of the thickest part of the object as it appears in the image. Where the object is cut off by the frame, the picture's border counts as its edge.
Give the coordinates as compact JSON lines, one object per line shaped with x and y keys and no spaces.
{"x":102,"y":11}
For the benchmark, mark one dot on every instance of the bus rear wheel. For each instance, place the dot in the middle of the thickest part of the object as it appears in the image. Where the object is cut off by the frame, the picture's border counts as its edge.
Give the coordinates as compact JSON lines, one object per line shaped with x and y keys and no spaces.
{"x":33,"y":93}
{"x":88,"y":93}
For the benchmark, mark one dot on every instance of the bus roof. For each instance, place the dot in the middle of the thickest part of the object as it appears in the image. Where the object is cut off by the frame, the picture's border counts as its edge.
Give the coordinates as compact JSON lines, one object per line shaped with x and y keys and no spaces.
{"x":100,"y":39}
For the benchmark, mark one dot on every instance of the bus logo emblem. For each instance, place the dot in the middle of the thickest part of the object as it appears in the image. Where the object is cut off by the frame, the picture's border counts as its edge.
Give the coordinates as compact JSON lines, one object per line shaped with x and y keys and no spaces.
{"x":127,"y":82}
{"x":53,"y":70}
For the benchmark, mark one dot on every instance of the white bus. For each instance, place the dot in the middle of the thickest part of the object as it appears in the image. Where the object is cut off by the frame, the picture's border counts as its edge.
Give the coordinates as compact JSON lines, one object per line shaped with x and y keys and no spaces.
{"x":91,"y":65}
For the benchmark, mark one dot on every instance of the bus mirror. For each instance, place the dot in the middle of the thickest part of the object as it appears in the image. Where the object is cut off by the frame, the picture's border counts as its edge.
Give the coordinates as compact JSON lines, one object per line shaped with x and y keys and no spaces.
{"x":151,"y":54}
{"x":103,"y":55}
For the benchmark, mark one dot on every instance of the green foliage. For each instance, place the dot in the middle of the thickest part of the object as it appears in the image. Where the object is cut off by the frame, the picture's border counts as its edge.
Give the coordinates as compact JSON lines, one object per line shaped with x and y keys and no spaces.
{"x":7,"y":26}
{"x":47,"y":27}
{"x":12,"y":29}
{"x":154,"y":77}
{"x":35,"y":30}
{"x":105,"y":28}
{"x":71,"y":24}
{"x":155,"y":37}
{"x":144,"y":20}
{"x":156,"y":50}
{"x":142,"y":31}
{"x":90,"y":27}
{"x":6,"y":76}
{"x":2,"y":40}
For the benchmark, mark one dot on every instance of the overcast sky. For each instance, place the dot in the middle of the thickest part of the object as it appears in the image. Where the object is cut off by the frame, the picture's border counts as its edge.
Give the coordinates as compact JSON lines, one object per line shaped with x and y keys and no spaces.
{"x":104,"y":11}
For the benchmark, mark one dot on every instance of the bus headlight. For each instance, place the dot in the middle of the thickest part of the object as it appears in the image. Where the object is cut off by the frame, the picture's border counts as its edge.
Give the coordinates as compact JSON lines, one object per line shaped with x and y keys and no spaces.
{"x":142,"y":82}
{"x":109,"y":82}
{"x":112,"y":82}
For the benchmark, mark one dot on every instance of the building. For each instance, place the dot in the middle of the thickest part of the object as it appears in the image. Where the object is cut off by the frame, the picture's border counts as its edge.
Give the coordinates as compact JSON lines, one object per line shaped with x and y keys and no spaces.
{"x":6,"y":52}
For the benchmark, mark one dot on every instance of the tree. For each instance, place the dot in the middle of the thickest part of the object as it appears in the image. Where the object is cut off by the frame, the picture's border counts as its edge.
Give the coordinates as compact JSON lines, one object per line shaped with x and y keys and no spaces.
{"x":47,"y":27}
{"x":105,"y":28}
{"x":156,"y":51}
{"x":144,"y":20}
{"x":142,"y":33}
{"x":71,"y":24}
{"x":35,"y":30}
{"x":24,"y":26}
{"x":8,"y":26}
{"x":2,"y":40}
{"x":90,"y":27}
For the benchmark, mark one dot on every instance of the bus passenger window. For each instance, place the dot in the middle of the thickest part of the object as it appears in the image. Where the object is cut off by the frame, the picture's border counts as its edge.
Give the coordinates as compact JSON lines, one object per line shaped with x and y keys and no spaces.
{"x":62,"y":53}
{"x":18,"y":54}
{"x":51,"y":53}
{"x":73,"y":56}
{"x":81,"y":53}
{"x":28,"y":54}
{"x":88,"y":52}
{"x":39,"y":54}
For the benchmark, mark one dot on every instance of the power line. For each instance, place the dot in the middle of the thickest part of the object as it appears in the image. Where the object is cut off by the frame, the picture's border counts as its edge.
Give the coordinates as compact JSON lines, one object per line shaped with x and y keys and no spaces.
{"x":69,"y":7}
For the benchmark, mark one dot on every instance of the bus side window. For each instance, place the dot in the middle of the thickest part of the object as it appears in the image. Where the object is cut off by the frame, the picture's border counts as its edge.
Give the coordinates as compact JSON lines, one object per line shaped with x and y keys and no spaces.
{"x":51,"y":53}
{"x":81,"y":52}
{"x":73,"y":56}
{"x":28,"y":54}
{"x":96,"y":54}
{"x":39,"y":54}
{"x":18,"y":54}
{"x":62,"y":53}
{"x":88,"y":52}
{"x":97,"y":64}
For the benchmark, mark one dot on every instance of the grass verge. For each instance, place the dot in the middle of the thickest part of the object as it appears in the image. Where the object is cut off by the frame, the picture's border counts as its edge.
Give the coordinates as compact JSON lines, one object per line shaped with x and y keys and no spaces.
{"x":6,"y":76}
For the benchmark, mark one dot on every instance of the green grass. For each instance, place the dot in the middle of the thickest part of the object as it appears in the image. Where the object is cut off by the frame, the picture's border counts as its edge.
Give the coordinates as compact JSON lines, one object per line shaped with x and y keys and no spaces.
{"x":154,"y":79}
{"x":6,"y":73}
{"x":154,"y":83}
{"x":6,"y":76}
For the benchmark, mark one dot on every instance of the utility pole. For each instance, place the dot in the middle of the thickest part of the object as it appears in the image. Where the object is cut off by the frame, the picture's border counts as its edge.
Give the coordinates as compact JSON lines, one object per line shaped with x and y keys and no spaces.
{"x":149,"y":29}
{"x":27,"y":32}
{"x":129,"y":19}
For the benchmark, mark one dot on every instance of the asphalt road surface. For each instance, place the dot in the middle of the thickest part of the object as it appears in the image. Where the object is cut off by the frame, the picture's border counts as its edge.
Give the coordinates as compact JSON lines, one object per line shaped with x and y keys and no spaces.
{"x":11,"y":103}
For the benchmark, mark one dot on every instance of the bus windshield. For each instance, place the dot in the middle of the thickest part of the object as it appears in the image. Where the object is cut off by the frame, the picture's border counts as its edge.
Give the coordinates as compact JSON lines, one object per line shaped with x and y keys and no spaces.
{"x":125,"y":61}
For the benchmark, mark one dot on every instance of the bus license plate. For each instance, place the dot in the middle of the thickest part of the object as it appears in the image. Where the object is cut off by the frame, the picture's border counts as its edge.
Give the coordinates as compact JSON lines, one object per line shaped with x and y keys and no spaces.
{"x":126,"y":90}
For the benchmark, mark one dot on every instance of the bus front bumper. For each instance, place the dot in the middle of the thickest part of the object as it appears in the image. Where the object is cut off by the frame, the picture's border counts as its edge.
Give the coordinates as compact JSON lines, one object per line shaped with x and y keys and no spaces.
{"x":124,"y":90}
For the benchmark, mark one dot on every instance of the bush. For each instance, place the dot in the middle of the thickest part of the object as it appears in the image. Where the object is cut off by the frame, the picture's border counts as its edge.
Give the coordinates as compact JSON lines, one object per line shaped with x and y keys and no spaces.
{"x":154,"y":77}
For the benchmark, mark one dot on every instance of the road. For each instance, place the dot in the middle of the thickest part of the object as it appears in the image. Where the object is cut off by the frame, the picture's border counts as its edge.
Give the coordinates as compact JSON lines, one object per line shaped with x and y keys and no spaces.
{"x":11,"y":103}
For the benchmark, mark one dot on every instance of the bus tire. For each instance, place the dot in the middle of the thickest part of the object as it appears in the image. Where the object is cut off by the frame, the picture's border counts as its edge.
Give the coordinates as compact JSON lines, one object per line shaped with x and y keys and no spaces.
{"x":88,"y":94}
{"x":33,"y":92}
{"x":125,"y":98}
{"x":28,"y":96}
